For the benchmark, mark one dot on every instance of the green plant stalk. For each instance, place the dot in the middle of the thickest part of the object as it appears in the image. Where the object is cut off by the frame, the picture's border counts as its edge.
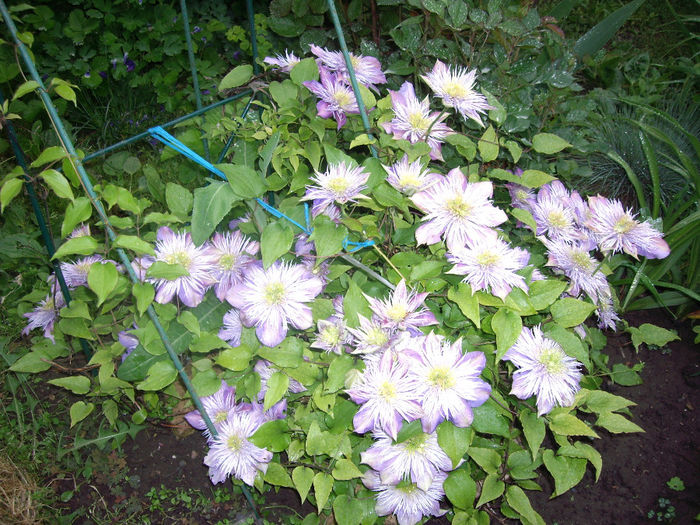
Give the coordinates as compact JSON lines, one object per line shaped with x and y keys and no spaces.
{"x":351,"y":72}
{"x":78,"y":165}
{"x":193,"y":68}
{"x":253,"y":35}
{"x":632,"y":176}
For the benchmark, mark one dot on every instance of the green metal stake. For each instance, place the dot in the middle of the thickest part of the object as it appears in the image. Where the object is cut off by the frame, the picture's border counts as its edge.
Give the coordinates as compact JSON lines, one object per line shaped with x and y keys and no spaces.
{"x":253,"y":36}
{"x":70,"y":149}
{"x":351,"y":72}
{"x":193,"y":68}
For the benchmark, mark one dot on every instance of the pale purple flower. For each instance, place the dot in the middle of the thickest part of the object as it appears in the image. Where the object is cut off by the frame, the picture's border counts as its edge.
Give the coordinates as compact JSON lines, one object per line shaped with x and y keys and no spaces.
{"x":83,"y":230}
{"x":617,"y":230}
{"x":270,"y":299}
{"x":340,"y":183}
{"x":458,"y":211}
{"x":402,"y":310}
{"x":129,"y":341}
{"x":418,"y":459}
{"x":265,"y":369}
{"x":218,"y":406}
{"x":178,"y":248}
{"x":336,"y":97}
{"x":368,"y":70}
{"x":448,"y":380}
{"x":371,"y":337}
{"x":490,"y":265}
{"x":414,"y":122}
{"x":456,"y":89}
{"x":140,"y":265}
{"x":45,"y":314}
{"x":231,"y":328}
{"x":406,"y":500}
{"x":574,"y":261}
{"x":231,"y":253}
{"x":387,"y":395}
{"x":284,"y":63}
{"x":606,"y":314}
{"x":231,"y":454}
{"x":410,"y":177}
{"x":544,"y":370}
{"x":76,"y":273}
{"x":554,"y":217}
{"x":333,"y":336}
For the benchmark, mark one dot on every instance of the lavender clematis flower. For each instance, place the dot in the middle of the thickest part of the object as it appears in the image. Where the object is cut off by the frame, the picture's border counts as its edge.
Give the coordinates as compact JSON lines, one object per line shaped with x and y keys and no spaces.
{"x":371,"y":337}
{"x":459,"y":211}
{"x":617,"y":230}
{"x":218,"y":406}
{"x":284,"y":63}
{"x":340,"y":183}
{"x":456,"y":89}
{"x":448,"y":381}
{"x":231,"y":253}
{"x":414,"y":122}
{"x":410,"y":178}
{"x":129,"y":341}
{"x":333,"y":336}
{"x":175,"y":248}
{"x":231,"y":454}
{"x":45,"y":315}
{"x":270,"y":299}
{"x":575,"y":262}
{"x":76,"y":273}
{"x":544,"y":370}
{"x":83,"y":230}
{"x":490,"y":265}
{"x":388,"y":396}
{"x":406,"y":500}
{"x":368,"y":70}
{"x":402,"y":310}
{"x":418,"y":459}
{"x":231,"y":328}
{"x":336,"y":98}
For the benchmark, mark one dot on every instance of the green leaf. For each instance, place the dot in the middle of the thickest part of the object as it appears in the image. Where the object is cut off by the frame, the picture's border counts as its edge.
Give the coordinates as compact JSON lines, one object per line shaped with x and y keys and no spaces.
{"x":79,"y":411}
{"x":179,"y":200}
{"x":83,"y":245}
{"x":409,"y":430}
{"x":276,"y":240}
{"x":277,"y":475}
{"x":58,"y":183}
{"x":163,"y":270}
{"x":305,"y":70}
{"x":76,"y":384}
{"x":651,"y":334}
{"x":488,"y":459}
{"x":9,"y":191}
{"x":570,"y":343}
{"x":345,"y":469}
{"x":488,"y":145}
{"x":133,"y":243}
{"x":569,"y":312}
{"x":488,"y":419}
{"x":206,"y":342}
{"x":160,"y":375}
{"x":303,"y":477}
{"x":66,"y":92}
{"x":467,"y":302}
{"x":77,"y":211}
{"x":238,"y":76}
{"x":544,"y":293}
{"x":570,"y":425}
{"x":616,"y":423}
{"x":76,"y":327}
{"x":236,"y":359}
{"x":507,"y":326}
{"x":144,"y":294}
{"x":535,"y":178}
{"x":245,"y":182}
{"x":534,"y":430}
{"x":23,"y":89}
{"x":454,"y":440}
{"x":518,"y":500}
{"x":211,"y":204}
{"x":32,"y":362}
{"x":584,"y":451}
{"x":566,"y":471}
{"x":327,"y":236}
{"x":268,"y":151}
{"x":514,"y":149}
{"x":460,"y":489}
{"x":601,"y":33}
{"x":548,"y":143}
{"x":350,"y":510}
{"x":676,"y":483}
{"x":465,"y":147}
{"x":50,"y":154}
{"x":323,"y":485}
{"x":288,"y":354}
{"x":600,"y":401}
{"x":273,"y":435}
{"x":339,"y":368}
{"x":525,"y":217}
{"x":625,"y":375}
{"x":76,"y":309}
{"x":276,"y":389}
{"x":491,"y":489}
{"x":102,"y":279}
{"x":355,"y":303}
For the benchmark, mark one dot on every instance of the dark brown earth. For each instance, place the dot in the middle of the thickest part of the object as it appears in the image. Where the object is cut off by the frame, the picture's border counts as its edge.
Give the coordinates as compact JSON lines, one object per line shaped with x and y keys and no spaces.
{"x":636,"y":467}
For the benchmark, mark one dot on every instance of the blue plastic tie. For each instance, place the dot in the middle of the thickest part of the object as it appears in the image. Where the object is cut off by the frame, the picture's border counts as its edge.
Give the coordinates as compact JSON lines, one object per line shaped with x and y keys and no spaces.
{"x":352,"y":246}
{"x":167,"y":139}
{"x":280,"y":215}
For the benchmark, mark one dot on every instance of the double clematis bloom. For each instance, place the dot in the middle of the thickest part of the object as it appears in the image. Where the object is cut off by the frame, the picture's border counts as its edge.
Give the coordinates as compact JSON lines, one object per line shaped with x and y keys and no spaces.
{"x":45,"y":315}
{"x":218,"y":406}
{"x":339,"y":184}
{"x":336,"y":98}
{"x":402,"y":310}
{"x":284,"y":63}
{"x":368,"y":70}
{"x":410,"y":177}
{"x":231,"y":253}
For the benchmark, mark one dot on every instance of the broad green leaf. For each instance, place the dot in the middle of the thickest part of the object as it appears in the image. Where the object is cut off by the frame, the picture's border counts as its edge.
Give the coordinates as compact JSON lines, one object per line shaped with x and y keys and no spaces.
{"x":454,"y":440}
{"x":160,"y":375}
{"x":525,"y":217}
{"x":76,"y":384}
{"x":163,"y":270}
{"x":651,"y":334}
{"x":77,"y":327}
{"x":277,"y":475}
{"x":76,"y":309}
{"x":518,"y":500}
{"x":601,"y":33}
{"x":303,"y":477}
{"x":246,"y":182}
{"x":83,"y":245}
{"x":460,"y":489}
{"x":625,"y":375}
{"x":133,"y":243}
{"x":339,"y":368}
{"x":50,"y":154}
{"x":211,"y":204}
{"x":305,"y":70}
{"x":58,"y":183}
{"x":9,"y":191}
{"x":276,"y":240}
{"x":67,"y":93}
{"x":238,"y":76}
{"x":32,"y":362}
{"x":584,"y":451}
{"x":567,"y":472}
{"x":600,"y":401}
{"x":323,"y":485}
{"x":144,"y":294}
{"x":544,"y":293}
{"x":205,"y":382}
{"x":535,"y":178}
{"x":79,"y":411}
{"x":327,"y":236}
{"x":345,"y":469}
{"x":207,"y":342}
{"x":507,"y":326}
{"x":23,"y":89}
{"x":268,"y":151}
{"x":465,"y":147}
{"x":288,"y":354}
{"x":488,"y":459}
{"x":491,"y":489}
{"x":77,"y":211}
{"x":236,"y":359}
{"x":616,"y":423}
{"x":534,"y":430}
{"x":514,"y":149}
{"x":102,"y":279}
{"x":355,"y":303}
{"x":570,"y":425}
{"x":273,"y":435}
{"x":179,"y":200}
{"x":548,"y":143}
{"x":489,"y":420}
{"x":467,"y":302}
{"x":276,"y":389}
{"x":488,"y":145}
{"x":350,"y":510}
{"x":569,"y":312}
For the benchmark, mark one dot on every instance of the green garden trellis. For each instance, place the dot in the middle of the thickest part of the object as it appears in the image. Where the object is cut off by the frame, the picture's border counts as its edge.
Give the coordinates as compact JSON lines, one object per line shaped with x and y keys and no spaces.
{"x":78,"y":165}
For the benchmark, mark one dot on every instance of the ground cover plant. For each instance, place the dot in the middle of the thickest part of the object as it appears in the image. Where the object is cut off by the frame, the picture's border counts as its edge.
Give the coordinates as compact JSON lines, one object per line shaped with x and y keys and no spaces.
{"x":388,"y":304}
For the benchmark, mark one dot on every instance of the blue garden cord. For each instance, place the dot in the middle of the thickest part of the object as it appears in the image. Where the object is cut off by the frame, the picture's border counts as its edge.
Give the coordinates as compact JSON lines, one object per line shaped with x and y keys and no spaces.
{"x":167,"y":139}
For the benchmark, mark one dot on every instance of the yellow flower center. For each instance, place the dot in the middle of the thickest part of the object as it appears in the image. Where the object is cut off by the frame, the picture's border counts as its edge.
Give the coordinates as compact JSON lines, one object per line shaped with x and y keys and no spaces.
{"x":377,"y":337}
{"x":387,"y":391}
{"x":551,"y":359}
{"x":354,"y":61}
{"x":342,"y":98}
{"x":458,"y":207}
{"x":331,"y":335}
{"x":397,"y":312}
{"x":338,"y":185}
{"x":521,"y":195}
{"x":409,"y":179}
{"x":418,"y":122}
{"x":455,"y":89}
{"x":487,"y":259}
{"x":228,"y":261}
{"x":179,"y":258}
{"x":557,"y":219}
{"x":416,"y":444}
{"x":235,"y":443}
{"x":274,"y":293}
{"x":624,"y":224}
{"x":441,"y":377}
{"x":407,"y":487}
{"x":221,"y":416}
{"x":582,"y":261}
